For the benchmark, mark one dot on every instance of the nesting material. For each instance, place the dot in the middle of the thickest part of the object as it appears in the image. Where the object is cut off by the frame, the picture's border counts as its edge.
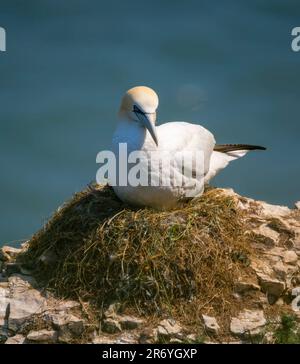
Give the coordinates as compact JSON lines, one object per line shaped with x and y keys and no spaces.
{"x":103,"y":251}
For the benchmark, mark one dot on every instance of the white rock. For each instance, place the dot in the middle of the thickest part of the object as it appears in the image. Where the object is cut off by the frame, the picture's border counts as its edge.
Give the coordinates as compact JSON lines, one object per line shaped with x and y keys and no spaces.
{"x":280,"y":302}
{"x":297,"y":239}
{"x":277,"y":251}
{"x":211,"y":324}
{"x":229,"y":192}
{"x":112,"y":310}
{"x":17,"y":339}
{"x":168,"y":328}
{"x":297,"y":205}
{"x":68,"y":325}
{"x":103,"y":340}
{"x":296,"y":304}
{"x":281,"y":270}
{"x":296,"y":291}
{"x":25,"y":245}
{"x":8,"y":253}
{"x":65,"y":305}
{"x":243,"y":287}
{"x":191,"y":338}
{"x":20,"y":282}
{"x":269,"y":236}
{"x":4,"y":294}
{"x":126,"y":338}
{"x":248,"y":322}
{"x":272,"y":286}
{"x":23,"y":304}
{"x":175,"y":341}
{"x":269,"y":210}
{"x":23,"y":300}
{"x":46,"y":336}
{"x":261,"y":267}
{"x":269,"y":338}
{"x":290,"y":257}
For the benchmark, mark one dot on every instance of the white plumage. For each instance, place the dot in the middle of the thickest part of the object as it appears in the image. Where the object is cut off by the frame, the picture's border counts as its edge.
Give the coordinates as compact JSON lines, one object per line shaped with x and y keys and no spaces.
{"x":137,"y":129}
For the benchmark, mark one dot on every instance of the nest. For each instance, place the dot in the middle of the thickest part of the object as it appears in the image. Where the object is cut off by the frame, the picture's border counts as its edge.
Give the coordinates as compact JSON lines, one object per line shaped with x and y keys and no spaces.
{"x":97,"y":249}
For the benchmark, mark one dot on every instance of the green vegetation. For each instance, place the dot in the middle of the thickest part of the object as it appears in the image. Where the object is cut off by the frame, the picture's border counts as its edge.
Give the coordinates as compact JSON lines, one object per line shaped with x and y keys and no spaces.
{"x":289,"y":331}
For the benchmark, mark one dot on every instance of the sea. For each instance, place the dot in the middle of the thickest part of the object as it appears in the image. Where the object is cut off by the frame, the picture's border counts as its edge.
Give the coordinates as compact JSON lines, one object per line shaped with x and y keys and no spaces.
{"x":227,"y":65}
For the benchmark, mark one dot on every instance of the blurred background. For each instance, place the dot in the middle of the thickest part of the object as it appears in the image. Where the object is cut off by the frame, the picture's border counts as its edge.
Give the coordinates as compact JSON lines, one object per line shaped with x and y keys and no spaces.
{"x":226,"y":65}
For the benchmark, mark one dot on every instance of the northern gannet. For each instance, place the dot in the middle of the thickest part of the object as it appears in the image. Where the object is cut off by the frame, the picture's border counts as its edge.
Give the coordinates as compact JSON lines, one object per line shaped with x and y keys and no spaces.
{"x":136,"y":127}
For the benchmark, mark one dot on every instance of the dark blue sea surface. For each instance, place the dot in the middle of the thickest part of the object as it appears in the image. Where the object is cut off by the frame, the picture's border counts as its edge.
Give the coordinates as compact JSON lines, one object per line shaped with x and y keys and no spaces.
{"x":227,"y":65}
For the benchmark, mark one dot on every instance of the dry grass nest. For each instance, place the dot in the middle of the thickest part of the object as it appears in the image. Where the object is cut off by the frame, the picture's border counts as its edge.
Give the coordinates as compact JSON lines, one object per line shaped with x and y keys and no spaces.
{"x":99,"y":250}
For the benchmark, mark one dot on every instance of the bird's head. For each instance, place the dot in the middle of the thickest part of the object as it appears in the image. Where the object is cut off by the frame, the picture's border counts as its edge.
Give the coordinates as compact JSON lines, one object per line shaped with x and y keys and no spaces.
{"x":139,"y":105}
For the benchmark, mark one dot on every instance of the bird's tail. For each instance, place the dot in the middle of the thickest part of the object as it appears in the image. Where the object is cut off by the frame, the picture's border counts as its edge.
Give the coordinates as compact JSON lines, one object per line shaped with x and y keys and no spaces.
{"x":226,"y":148}
{"x":225,"y":153}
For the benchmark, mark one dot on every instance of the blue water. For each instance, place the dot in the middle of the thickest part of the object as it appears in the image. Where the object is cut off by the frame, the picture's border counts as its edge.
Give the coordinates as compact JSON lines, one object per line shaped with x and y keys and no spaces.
{"x":227,"y":65}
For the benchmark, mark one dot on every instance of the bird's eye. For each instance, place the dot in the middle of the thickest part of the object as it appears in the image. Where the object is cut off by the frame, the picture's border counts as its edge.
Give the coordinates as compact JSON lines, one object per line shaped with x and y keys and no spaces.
{"x":137,"y":110}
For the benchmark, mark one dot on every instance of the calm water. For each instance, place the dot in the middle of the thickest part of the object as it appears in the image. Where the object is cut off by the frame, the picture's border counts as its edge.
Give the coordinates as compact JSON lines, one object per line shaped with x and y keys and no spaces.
{"x":226,"y":65}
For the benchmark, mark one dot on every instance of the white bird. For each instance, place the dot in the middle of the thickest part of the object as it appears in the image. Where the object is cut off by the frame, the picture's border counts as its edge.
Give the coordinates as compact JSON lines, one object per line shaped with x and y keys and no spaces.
{"x":136,"y":127}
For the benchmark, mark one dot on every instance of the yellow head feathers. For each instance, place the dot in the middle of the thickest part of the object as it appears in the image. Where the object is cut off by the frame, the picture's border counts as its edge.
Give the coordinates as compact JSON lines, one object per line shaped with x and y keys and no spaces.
{"x":143,"y":97}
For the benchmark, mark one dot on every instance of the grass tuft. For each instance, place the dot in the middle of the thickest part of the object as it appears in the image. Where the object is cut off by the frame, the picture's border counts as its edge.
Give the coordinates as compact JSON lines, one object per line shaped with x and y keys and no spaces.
{"x":288,"y":332}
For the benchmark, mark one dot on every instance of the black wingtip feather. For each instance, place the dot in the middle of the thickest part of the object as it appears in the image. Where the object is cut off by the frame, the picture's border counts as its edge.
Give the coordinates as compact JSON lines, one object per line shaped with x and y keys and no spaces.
{"x":225,"y":148}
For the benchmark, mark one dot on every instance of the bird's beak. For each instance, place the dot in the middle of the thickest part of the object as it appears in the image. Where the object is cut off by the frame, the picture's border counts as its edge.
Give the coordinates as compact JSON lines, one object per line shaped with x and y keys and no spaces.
{"x":145,"y":119}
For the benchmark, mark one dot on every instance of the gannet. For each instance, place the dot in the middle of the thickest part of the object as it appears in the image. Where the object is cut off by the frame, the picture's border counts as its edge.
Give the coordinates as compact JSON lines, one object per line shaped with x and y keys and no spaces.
{"x":137,"y":128}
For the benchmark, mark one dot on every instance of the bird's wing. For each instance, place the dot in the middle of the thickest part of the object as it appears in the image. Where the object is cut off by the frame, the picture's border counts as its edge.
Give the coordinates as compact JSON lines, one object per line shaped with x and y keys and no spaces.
{"x":186,"y":137}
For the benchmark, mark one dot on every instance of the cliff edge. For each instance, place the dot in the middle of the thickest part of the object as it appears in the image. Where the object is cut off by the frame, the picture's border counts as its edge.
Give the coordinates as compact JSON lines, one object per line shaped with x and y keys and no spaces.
{"x":221,"y":268}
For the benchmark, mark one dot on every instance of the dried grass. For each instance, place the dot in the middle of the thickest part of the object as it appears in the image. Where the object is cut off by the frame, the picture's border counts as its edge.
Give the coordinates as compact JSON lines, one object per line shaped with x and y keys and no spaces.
{"x":99,"y":250}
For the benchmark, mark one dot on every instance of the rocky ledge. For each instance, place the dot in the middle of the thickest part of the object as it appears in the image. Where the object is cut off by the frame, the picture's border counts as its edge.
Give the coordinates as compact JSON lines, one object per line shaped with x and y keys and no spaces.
{"x":30,"y":313}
